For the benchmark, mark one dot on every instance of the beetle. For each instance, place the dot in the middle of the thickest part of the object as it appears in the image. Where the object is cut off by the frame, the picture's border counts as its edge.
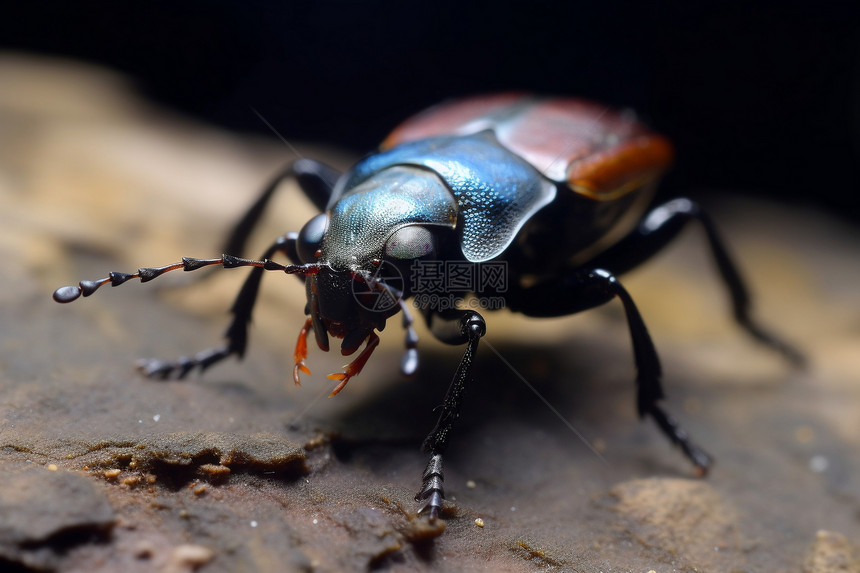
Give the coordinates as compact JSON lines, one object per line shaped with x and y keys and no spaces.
{"x":554,"y":191}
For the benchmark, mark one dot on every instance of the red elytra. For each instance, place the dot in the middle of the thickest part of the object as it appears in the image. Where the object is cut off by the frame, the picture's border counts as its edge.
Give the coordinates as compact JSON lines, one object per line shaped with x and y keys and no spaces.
{"x":597,"y":151}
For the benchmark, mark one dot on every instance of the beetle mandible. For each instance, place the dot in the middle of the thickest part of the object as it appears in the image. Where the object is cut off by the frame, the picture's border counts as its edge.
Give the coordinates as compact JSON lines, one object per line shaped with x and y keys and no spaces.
{"x":556,"y":189}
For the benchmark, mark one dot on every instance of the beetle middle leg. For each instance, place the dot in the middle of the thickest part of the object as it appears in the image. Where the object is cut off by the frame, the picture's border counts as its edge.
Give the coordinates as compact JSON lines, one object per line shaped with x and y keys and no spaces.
{"x":236,"y":333}
{"x":580,"y":290}
{"x":663,"y":224}
{"x":454,"y":327}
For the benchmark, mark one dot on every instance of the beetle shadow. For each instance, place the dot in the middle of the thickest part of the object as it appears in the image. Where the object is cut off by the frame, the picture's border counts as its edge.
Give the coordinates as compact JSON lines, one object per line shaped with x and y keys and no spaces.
{"x":552,"y":390}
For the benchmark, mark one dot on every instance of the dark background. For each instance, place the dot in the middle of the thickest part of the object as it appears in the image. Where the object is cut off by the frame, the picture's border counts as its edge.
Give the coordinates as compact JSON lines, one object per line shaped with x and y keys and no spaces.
{"x":763,"y":98}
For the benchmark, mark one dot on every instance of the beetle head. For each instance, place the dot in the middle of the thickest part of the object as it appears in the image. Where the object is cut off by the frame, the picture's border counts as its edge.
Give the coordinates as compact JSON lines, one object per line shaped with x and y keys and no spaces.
{"x":364,"y":248}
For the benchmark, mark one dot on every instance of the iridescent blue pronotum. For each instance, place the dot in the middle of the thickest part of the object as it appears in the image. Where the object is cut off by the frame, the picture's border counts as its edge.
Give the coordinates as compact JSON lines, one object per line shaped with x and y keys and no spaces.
{"x":554,"y":190}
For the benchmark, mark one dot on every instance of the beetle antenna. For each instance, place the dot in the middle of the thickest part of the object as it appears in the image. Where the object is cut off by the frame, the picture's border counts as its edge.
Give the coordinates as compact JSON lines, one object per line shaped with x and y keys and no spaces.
{"x":69,"y":293}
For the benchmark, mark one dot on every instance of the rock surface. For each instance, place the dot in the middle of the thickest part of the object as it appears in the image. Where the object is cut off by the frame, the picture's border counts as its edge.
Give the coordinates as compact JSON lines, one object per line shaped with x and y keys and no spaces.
{"x":45,"y":510}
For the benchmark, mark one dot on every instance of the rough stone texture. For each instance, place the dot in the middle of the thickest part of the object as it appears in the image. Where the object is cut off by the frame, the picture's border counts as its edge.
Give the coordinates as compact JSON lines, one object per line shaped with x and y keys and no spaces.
{"x":241,"y":470}
{"x":831,"y":553}
{"x":686,"y":518}
{"x":43,"y":511}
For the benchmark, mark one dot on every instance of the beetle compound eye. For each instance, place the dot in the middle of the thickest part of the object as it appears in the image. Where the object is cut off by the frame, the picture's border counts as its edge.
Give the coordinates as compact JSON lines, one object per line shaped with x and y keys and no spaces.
{"x":410,"y":242}
{"x":310,"y":238}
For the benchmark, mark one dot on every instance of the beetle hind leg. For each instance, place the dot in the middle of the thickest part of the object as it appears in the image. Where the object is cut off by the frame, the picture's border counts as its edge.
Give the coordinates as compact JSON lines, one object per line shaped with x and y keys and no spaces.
{"x":663,"y":224}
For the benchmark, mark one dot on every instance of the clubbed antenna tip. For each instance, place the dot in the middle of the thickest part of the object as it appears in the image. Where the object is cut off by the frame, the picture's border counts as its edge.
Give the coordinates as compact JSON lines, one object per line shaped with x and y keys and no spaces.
{"x":67,"y":293}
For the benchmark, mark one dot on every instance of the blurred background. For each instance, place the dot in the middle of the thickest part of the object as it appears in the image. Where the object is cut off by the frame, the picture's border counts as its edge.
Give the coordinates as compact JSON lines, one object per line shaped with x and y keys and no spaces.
{"x":760,"y":97}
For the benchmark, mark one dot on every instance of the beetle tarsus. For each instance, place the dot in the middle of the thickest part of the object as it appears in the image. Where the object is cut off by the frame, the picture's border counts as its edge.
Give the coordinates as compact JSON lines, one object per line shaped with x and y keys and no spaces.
{"x":301,"y":352}
{"x":297,"y":369}
{"x":180,"y":368}
{"x":763,"y":336}
{"x":409,"y":362}
{"x":354,"y":367}
{"x":432,"y":491}
{"x":154,"y":368}
{"x":702,"y":461}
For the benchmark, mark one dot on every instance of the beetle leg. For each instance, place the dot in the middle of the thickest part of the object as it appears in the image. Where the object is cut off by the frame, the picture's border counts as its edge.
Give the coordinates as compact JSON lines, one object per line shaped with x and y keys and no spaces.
{"x":354,"y":367}
{"x":409,"y":362}
{"x":237,"y":331}
{"x":471,"y":328}
{"x":658,"y":228}
{"x":316,"y":179}
{"x":580,"y":290}
{"x":302,"y":352}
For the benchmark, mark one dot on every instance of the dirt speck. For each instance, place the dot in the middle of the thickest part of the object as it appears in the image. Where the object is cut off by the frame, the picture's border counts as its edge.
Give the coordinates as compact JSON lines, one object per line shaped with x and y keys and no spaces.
{"x":186,"y":558}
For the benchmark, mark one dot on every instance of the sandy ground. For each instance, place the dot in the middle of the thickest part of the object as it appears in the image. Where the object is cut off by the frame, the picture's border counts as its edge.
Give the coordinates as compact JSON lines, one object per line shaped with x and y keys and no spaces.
{"x":240,"y":470}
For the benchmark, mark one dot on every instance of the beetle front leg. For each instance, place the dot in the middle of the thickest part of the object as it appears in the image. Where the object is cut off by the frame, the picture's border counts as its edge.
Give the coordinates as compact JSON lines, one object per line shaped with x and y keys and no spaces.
{"x":471,"y":327}
{"x":662,"y":225}
{"x":581,"y":290}
{"x":236,"y":333}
